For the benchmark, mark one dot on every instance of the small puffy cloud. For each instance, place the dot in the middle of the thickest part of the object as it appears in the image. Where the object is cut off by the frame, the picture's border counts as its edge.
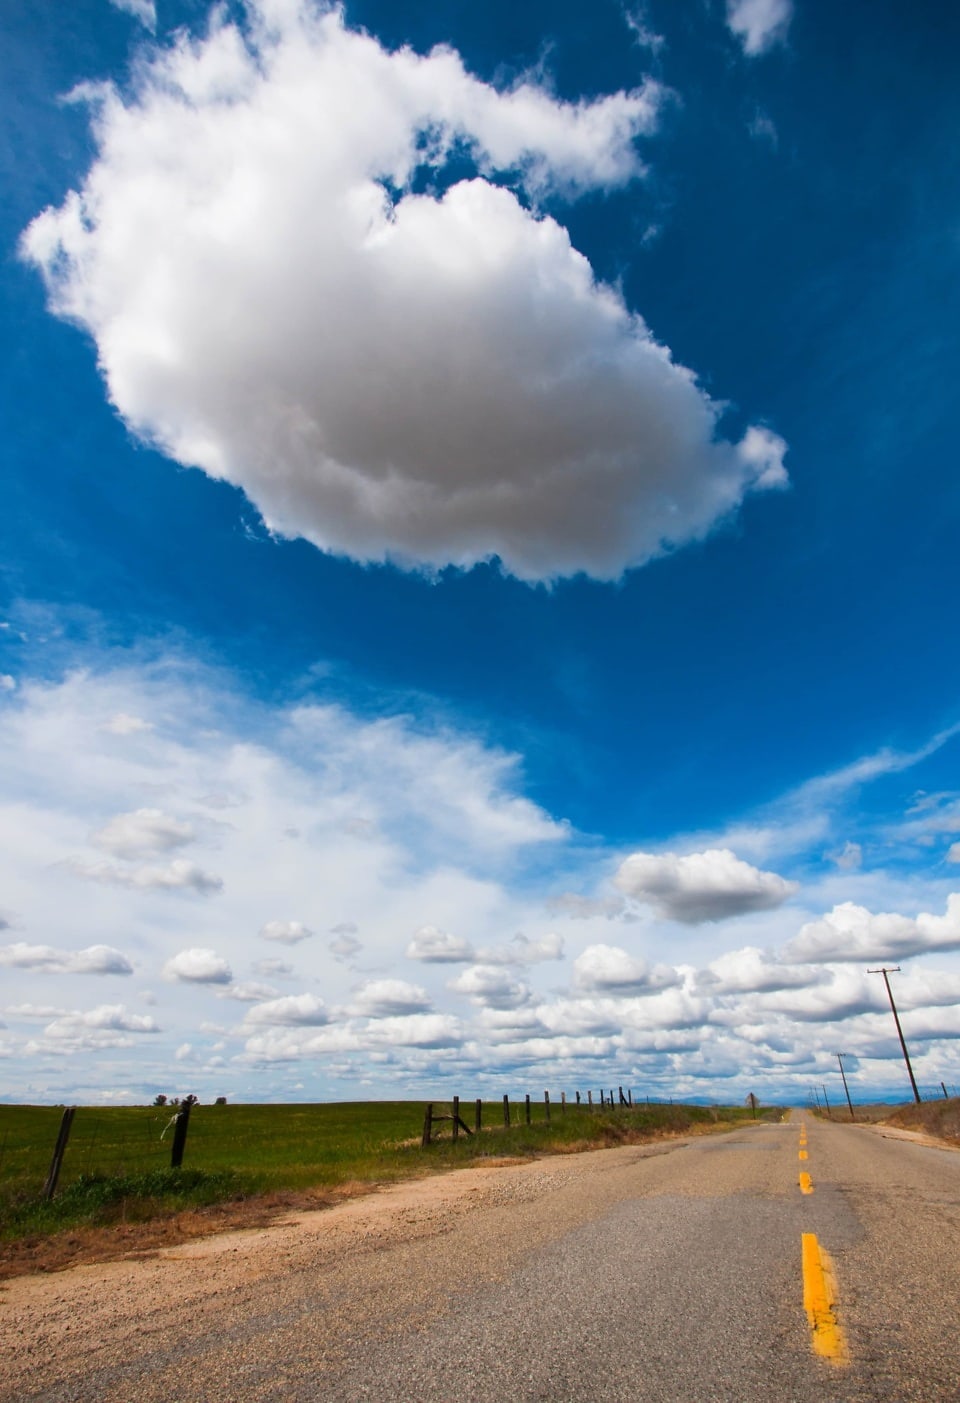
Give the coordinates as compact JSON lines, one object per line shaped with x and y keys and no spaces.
{"x":180,"y":875}
{"x":852,"y":933}
{"x":291,"y":1011}
{"x":248,"y":992}
{"x":490,"y":986}
{"x":428,"y":1030}
{"x":953,"y":852}
{"x":384,"y":998}
{"x":345,"y":946}
{"x":428,"y":375}
{"x":849,"y":857}
{"x":142,"y":833}
{"x":198,"y":966}
{"x":286,"y":932}
{"x":272,"y":969}
{"x":763,"y":128}
{"x":143,"y":10}
{"x":95,"y":959}
{"x":7,"y":683}
{"x":608,"y":969}
{"x":752,"y":970}
{"x":705,"y":886}
{"x":759,"y":24}
{"x":109,"y":1025}
{"x":520,"y":950}
{"x":184,"y":1053}
{"x":123,"y":724}
{"x":439,"y":947}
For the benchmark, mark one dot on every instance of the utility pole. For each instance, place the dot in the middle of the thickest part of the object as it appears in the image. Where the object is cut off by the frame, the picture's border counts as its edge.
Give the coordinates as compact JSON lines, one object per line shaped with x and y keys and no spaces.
{"x":840,"y":1056}
{"x":885,"y":971}
{"x":826,"y":1102}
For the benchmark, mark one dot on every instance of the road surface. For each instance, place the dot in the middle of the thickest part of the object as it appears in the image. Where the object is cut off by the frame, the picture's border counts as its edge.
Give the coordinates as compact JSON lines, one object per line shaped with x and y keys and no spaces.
{"x":692,"y":1271}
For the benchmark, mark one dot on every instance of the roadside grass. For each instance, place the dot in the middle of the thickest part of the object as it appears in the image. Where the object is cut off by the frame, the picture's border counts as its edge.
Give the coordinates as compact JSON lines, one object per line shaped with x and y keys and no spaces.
{"x":116,"y":1168}
{"x":938,"y":1118}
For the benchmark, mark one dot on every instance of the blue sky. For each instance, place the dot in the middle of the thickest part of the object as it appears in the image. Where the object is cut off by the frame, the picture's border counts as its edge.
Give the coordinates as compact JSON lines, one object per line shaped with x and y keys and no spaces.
{"x":479,"y":556}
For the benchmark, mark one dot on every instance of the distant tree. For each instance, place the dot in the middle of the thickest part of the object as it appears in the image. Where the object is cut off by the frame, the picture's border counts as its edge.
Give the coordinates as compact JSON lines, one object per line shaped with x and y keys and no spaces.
{"x":160,"y":1100}
{"x":220,"y":1101}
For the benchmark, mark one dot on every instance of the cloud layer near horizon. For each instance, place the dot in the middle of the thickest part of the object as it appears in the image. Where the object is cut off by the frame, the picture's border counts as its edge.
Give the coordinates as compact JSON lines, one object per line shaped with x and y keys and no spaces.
{"x":286,"y":292}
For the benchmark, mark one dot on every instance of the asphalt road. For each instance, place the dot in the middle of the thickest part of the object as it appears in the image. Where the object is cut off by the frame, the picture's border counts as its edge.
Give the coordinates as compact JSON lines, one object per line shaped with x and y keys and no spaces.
{"x":662,"y":1273}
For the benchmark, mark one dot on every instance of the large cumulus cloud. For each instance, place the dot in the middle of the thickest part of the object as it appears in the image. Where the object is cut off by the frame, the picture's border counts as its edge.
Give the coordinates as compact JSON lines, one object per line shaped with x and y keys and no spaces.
{"x":287,"y":291}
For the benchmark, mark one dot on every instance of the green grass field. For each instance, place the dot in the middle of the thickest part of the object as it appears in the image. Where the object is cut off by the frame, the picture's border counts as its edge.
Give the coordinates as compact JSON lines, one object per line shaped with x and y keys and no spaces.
{"x":116,"y":1162}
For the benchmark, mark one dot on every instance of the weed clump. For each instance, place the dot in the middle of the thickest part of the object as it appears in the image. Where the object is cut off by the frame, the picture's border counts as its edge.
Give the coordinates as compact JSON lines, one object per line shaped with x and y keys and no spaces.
{"x":103,"y":1199}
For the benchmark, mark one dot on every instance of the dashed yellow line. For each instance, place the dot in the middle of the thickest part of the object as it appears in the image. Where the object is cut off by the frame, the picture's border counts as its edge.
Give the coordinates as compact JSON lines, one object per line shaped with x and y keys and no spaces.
{"x":803,"y":1154}
{"x":806,"y":1187}
{"x":819,"y":1301}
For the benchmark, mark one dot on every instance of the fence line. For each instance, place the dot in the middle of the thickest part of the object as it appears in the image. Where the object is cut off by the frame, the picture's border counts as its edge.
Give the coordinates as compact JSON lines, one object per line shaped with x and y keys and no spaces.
{"x":432,"y":1118}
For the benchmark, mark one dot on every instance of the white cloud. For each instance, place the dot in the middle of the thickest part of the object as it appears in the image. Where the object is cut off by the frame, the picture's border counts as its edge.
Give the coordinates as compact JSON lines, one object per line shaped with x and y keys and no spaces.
{"x":95,"y":959}
{"x":490,"y":986}
{"x":759,"y":24}
{"x":272,"y":969}
{"x":143,"y":10}
{"x":849,"y":858}
{"x":431,"y":1030}
{"x":953,"y":852}
{"x":7,"y":683}
{"x":345,"y":947}
{"x":294,"y":1010}
{"x":142,"y":833}
{"x":607,"y":968}
{"x":705,"y":886}
{"x":109,"y":1025}
{"x":644,"y":35}
{"x":384,"y":998}
{"x":179,"y":875}
{"x":520,"y":950}
{"x":198,"y":966}
{"x":124,"y":725}
{"x":433,"y":378}
{"x":439,"y":947}
{"x":248,"y":992}
{"x":851,"y":932}
{"x":184,"y":1053}
{"x":287,"y":932}
{"x":751,"y":970}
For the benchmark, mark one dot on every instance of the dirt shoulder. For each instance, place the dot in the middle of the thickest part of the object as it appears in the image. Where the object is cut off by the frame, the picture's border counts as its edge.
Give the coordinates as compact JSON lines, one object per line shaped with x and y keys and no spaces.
{"x":61,"y":1329}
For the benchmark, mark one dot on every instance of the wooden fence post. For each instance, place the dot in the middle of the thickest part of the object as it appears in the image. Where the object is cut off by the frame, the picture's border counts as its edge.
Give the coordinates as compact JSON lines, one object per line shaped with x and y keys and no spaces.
{"x":478,"y":1117}
{"x":611,"y":1096}
{"x":629,"y":1096}
{"x":528,"y":1108}
{"x":456,"y":1118}
{"x":427,"y":1126}
{"x":578,"y":1098}
{"x":563,"y":1103}
{"x":63,"y":1135}
{"x":546,"y":1105}
{"x":180,"y":1133}
{"x":590,"y":1099}
{"x":623,"y":1099}
{"x":506,"y":1113}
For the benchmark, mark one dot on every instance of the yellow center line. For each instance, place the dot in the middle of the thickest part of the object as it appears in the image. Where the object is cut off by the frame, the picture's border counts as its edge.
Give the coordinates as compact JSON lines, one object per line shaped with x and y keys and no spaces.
{"x":819,"y":1301}
{"x":806,"y":1187}
{"x":803,"y":1154}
